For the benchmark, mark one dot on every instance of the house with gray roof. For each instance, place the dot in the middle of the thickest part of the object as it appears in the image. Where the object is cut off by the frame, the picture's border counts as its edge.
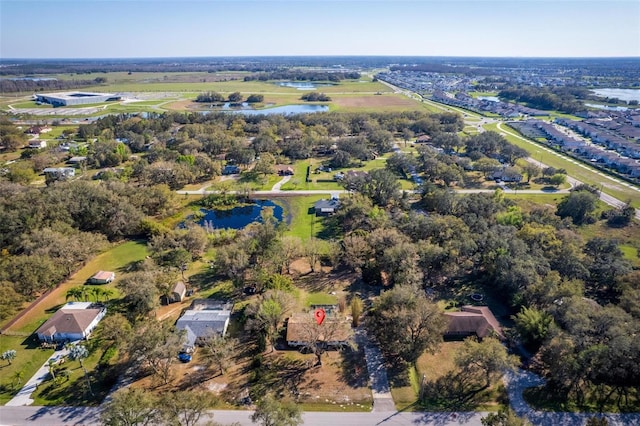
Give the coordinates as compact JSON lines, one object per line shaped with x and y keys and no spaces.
{"x":204,"y":318}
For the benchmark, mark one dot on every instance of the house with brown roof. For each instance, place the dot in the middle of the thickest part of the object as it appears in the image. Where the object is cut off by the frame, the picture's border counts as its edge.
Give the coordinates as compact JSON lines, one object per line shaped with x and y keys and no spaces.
{"x":74,"y":321}
{"x":334,"y":332}
{"x":476,"y":321}
{"x":284,"y":170}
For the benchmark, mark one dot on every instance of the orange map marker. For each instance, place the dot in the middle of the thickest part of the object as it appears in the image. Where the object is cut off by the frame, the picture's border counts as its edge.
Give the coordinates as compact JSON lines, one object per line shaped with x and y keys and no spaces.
{"x":320,"y":314}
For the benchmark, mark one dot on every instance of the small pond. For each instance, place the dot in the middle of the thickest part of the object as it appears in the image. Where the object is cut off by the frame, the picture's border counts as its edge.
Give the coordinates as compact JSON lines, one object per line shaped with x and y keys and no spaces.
{"x":238,"y":217}
{"x":489,"y":98}
{"x":303,"y":85}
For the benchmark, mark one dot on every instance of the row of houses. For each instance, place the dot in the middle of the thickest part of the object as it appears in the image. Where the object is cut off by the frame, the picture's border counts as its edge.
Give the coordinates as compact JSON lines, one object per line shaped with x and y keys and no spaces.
{"x":504,"y":109}
{"x":604,"y":137}
{"x":593,"y":153}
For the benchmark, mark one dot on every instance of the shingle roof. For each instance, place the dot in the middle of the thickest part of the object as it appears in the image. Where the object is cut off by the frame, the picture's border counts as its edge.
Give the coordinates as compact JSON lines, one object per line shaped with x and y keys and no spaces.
{"x":478,"y":320}
{"x":298,"y":328}
{"x":71,"y":321}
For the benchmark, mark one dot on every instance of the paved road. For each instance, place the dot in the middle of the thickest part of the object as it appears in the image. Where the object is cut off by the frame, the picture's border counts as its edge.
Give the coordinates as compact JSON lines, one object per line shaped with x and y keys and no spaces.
{"x":50,"y":416}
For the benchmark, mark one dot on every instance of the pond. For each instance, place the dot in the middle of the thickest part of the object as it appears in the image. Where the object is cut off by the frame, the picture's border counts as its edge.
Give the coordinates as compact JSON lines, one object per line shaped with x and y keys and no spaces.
{"x":622,"y":94}
{"x":607,"y":107}
{"x":238,"y":217}
{"x":285,"y":110}
{"x":303,"y":85}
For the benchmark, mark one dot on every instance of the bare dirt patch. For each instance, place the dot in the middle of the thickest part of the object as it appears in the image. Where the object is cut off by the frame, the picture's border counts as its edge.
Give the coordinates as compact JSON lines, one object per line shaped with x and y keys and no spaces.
{"x":376,"y":101}
{"x":179,"y":105}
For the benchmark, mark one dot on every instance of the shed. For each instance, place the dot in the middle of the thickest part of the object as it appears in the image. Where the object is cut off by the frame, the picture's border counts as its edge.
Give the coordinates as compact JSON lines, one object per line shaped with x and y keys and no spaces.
{"x":178,"y":292}
{"x":102,"y":277}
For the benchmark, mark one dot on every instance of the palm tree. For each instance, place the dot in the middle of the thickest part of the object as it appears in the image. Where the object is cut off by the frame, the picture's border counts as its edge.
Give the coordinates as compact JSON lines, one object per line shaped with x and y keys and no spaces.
{"x":75,"y":293}
{"x":80,"y":353}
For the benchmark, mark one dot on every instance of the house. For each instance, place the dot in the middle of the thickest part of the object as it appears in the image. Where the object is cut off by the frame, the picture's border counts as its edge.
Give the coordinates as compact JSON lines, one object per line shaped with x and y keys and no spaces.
{"x":37,"y":144}
{"x":102,"y":277}
{"x":58,"y":173}
{"x":300,"y":329}
{"x":230,"y":170}
{"x":204,"y":318}
{"x":178,"y":293}
{"x":326,"y":207}
{"x":423,"y":139}
{"x":77,"y":161}
{"x":36,"y":130}
{"x":473,"y":321}
{"x":284,"y":170}
{"x":74,"y":321}
{"x":506,"y":175}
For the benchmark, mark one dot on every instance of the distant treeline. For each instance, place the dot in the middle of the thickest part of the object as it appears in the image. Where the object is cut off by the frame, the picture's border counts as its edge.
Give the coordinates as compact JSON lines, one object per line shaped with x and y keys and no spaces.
{"x":25,"y":85}
{"x":565,"y":99}
{"x":304,"y":76}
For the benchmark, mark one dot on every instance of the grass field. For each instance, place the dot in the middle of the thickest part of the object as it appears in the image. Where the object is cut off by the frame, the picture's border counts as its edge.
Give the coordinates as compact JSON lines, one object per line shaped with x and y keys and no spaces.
{"x":29,"y":358}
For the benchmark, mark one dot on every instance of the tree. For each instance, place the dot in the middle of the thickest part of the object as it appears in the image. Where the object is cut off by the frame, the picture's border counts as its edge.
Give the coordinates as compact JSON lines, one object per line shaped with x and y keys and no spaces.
{"x":235,"y":97}
{"x":131,"y":407}
{"x":532,"y":326}
{"x":357,"y":307}
{"x":115,"y":328}
{"x":253,"y":98}
{"x":265,"y":165}
{"x":504,"y":417}
{"x":271,"y":411}
{"x":185,"y":408}
{"x":530,"y":170}
{"x":155,"y":345}
{"x":485,"y":358}
{"x":578,"y":206}
{"x":290,"y":248}
{"x":269,"y":313}
{"x":557,"y":179}
{"x":8,"y":355}
{"x":381,"y":185}
{"x":406,"y":324}
{"x":140,"y":293}
{"x":316,"y":337}
{"x":80,"y":353}
{"x":218,"y":350}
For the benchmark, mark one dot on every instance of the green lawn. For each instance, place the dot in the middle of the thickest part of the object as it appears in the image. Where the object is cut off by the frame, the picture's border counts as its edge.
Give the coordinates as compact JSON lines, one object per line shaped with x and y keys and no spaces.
{"x":303,"y":222}
{"x":29,"y":358}
{"x":320,"y":299}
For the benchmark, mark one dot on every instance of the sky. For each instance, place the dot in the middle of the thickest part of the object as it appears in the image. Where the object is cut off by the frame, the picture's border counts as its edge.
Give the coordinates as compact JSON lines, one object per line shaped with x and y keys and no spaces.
{"x":187,"y":28}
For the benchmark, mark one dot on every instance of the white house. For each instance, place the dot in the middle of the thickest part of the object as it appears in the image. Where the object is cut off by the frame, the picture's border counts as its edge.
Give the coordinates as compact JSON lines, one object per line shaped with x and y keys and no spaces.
{"x":74,"y":321}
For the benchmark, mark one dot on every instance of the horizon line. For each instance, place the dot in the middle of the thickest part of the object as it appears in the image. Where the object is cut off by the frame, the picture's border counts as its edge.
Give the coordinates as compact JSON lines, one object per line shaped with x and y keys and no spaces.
{"x":313,"y":56}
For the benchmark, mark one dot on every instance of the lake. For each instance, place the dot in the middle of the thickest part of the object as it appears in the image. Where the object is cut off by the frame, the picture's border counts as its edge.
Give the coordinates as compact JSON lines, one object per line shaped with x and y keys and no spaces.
{"x":285,"y":110}
{"x":239,"y":217}
{"x":622,"y":94}
{"x":303,"y":85}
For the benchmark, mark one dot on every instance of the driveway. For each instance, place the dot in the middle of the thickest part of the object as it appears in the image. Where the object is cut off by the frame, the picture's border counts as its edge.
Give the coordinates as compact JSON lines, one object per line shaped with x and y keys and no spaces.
{"x":382,"y":399}
{"x":24,"y":396}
